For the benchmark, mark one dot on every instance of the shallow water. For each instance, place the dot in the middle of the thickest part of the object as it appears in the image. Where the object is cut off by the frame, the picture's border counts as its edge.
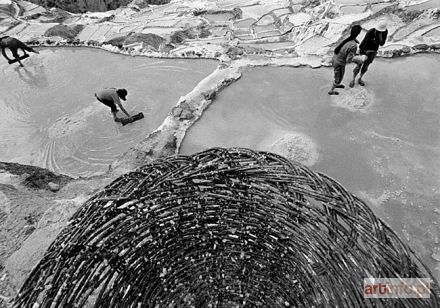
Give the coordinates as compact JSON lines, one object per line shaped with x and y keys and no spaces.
{"x":49,"y":116}
{"x":383,"y":146}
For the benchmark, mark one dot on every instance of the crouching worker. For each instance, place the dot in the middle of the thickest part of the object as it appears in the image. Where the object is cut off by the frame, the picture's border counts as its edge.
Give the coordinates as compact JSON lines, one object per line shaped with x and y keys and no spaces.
{"x":14,"y":45}
{"x":112,"y":98}
{"x":344,"y":53}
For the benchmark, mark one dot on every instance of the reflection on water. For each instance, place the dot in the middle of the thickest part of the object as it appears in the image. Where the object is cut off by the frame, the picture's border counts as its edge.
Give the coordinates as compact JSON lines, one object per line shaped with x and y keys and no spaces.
{"x":49,"y":116}
{"x":382,"y":142}
{"x":34,"y":76}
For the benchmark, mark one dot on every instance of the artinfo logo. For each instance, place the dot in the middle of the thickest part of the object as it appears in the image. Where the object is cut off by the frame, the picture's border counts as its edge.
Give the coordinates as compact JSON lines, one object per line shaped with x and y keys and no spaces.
{"x":397,"y":288}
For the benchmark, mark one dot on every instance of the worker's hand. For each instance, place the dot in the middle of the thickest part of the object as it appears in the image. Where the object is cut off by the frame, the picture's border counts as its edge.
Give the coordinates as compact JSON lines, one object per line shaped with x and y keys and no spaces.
{"x":364,"y":58}
{"x":357,"y":60}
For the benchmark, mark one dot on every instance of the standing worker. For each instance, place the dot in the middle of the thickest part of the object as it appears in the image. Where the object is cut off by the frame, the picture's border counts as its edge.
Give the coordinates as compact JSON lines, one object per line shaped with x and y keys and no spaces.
{"x":374,"y":38}
{"x":111,"y":97}
{"x":344,"y":53}
{"x":13,"y":44}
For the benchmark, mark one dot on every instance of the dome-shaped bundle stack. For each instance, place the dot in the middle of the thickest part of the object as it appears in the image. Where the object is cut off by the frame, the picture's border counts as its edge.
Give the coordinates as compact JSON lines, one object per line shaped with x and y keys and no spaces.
{"x":221,"y":228}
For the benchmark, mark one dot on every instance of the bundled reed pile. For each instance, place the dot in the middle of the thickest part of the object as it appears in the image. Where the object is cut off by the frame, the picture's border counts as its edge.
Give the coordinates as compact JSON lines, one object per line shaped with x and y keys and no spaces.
{"x":221,"y":228}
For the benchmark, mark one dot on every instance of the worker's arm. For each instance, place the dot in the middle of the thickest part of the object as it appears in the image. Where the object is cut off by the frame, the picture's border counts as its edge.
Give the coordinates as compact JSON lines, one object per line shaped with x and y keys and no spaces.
{"x":383,"y":38}
{"x":351,"y":53}
{"x":123,"y":109}
{"x":367,"y":38}
{"x":117,"y":101}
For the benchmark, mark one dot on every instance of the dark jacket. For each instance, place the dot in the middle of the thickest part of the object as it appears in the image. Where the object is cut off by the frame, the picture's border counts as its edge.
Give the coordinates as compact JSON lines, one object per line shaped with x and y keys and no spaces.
{"x":372,"y":40}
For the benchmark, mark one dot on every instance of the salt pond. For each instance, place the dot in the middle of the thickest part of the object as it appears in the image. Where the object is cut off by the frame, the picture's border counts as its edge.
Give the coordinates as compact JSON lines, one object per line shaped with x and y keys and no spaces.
{"x":382,"y":142}
{"x":49,"y":116}
{"x":424,"y":5}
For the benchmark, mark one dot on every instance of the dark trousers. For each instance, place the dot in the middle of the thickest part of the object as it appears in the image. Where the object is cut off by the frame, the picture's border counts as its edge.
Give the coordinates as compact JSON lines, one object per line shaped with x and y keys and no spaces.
{"x":339,"y":70}
{"x":363,"y":67}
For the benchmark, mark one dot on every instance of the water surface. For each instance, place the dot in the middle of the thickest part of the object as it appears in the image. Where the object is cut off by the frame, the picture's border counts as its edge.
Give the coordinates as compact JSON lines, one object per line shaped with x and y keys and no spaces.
{"x":386,"y":151}
{"x":50,"y":118}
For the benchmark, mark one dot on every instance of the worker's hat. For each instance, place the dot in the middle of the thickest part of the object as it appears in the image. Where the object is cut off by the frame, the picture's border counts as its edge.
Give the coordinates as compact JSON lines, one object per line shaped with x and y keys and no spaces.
{"x":122,"y":93}
{"x":382,"y":26}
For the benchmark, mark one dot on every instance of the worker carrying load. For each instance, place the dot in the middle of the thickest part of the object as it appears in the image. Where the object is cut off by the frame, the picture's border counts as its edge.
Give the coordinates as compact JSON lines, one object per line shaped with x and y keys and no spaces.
{"x":345,"y":53}
{"x":14,"y":45}
{"x":112,"y":98}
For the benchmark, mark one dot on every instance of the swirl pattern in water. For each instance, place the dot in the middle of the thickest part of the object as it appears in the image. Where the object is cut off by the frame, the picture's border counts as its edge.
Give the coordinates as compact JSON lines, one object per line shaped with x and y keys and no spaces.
{"x":49,"y":116}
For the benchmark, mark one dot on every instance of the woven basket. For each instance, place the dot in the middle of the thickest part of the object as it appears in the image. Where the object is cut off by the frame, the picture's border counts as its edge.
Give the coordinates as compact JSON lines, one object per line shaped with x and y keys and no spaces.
{"x":221,"y":228}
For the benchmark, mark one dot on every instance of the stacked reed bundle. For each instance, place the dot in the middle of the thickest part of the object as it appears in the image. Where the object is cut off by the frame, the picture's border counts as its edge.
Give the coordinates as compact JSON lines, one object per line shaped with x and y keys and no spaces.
{"x":221,"y":228}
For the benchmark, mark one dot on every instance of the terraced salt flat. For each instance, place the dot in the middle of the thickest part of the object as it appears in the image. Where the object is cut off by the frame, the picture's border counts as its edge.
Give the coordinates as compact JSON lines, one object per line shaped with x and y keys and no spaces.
{"x":424,"y":5}
{"x":50,"y":118}
{"x":381,"y":142}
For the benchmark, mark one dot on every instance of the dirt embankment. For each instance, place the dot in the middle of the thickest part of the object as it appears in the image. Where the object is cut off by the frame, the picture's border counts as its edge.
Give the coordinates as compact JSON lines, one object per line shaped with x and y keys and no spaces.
{"x":35,"y":177}
{"x":35,"y":204}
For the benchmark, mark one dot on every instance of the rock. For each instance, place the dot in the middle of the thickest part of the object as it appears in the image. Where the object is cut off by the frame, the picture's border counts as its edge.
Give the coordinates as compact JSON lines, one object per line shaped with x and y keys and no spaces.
{"x":406,"y":50}
{"x":176,"y":111}
{"x":186,"y":114}
{"x":53,"y":187}
{"x":421,"y":47}
{"x":183,"y":111}
{"x":397,"y":53}
{"x":29,"y":230}
{"x":32,"y":42}
{"x":92,"y":43}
